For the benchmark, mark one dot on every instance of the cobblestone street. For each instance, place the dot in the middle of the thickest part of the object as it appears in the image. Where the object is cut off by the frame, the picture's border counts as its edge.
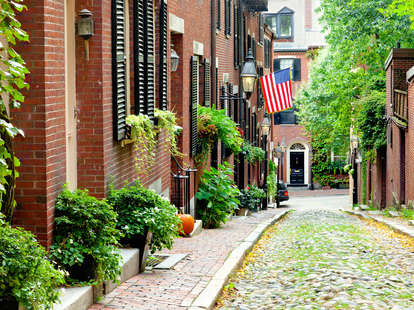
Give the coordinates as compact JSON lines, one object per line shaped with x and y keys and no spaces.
{"x":321,"y":258}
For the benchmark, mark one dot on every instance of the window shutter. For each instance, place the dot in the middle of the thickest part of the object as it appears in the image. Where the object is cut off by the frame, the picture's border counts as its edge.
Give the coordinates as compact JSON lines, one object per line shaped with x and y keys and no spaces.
{"x":241,"y":33}
{"x":139,"y":57}
{"x":254,"y":45}
{"x":261,"y":30}
{"x":231,"y":102}
{"x":254,"y":129}
{"x":163,"y":80}
{"x":149,"y":60}
{"x":227,"y":16}
{"x":297,"y":70}
{"x":260,"y":98}
{"x":207,"y":83}
{"x":218,"y":14}
{"x":194,"y":104}
{"x":119,"y":75}
{"x":276,"y":65}
{"x":222,"y":105}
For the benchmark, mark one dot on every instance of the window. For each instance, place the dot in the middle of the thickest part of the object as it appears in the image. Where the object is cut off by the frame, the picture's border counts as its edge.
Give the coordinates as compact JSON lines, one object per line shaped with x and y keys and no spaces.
{"x":281,"y":23}
{"x":284,"y":63}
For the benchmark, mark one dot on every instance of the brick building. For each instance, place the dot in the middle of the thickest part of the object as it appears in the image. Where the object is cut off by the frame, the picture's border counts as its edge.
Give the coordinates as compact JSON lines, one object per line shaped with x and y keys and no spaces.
{"x":81,"y":92}
{"x":295,"y":24}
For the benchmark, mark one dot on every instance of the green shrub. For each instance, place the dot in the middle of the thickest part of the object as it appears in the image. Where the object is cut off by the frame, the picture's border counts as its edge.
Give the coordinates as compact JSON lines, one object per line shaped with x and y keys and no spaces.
{"x":85,"y":237}
{"x":217,"y":196}
{"x":250,"y":198}
{"x":140,"y":209}
{"x":25,"y":272}
{"x":252,"y":154}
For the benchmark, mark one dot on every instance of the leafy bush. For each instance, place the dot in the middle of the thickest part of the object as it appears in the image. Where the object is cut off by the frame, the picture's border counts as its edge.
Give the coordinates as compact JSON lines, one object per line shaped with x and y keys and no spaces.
{"x":252,"y":154}
{"x":250,"y":197}
{"x":25,"y":272}
{"x":217,"y":196}
{"x":85,"y":237}
{"x":140,"y":210}
{"x":214,"y":125}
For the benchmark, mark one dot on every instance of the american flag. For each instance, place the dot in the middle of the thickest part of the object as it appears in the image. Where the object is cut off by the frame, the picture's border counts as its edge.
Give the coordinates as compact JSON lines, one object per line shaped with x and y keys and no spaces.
{"x":277,"y":91}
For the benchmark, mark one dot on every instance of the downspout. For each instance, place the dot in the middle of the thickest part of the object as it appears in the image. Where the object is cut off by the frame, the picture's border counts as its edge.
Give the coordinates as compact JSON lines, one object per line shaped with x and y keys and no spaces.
{"x":213,"y":44}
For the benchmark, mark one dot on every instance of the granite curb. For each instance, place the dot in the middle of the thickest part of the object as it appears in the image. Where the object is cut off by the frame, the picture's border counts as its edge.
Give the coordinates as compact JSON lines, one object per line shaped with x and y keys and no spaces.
{"x":210,"y":294}
{"x":394,"y":226}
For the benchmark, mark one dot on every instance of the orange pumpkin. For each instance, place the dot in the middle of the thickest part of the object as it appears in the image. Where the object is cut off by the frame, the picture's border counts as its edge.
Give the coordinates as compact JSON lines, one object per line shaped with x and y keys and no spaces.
{"x":188,"y":223}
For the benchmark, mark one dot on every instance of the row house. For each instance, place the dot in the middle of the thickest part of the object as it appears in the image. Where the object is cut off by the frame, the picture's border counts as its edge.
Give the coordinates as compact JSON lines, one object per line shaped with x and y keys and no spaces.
{"x":136,"y":55}
{"x":298,"y":35}
{"x":390,"y":178}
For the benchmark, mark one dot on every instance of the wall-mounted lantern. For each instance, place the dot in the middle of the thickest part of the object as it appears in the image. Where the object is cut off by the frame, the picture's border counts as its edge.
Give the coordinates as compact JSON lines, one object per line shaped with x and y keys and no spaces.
{"x":249,"y":74}
{"x":175,"y":60}
{"x":86,"y":28}
{"x":265,"y":126}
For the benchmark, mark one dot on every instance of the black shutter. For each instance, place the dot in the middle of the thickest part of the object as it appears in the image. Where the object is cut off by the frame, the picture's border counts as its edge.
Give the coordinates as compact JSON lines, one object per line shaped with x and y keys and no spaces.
{"x":222,"y":94}
{"x":260,"y":98}
{"x":254,"y":129}
{"x":149,"y":59}
{"x":276,"y":65}
{"x":231,"y":102}
{"x":194,"y":104}
{"x":218,"y":14}
{"x":222,"y":105}
{"x":207,"y":82}
{"x":261,"y":30}
{"x":241,"y":33}
{"x":163,"y":79}
{"x":296,"y":69}
{"x":227,"y":16}
{"x":119,"y":74}
{"x":139,"y":57}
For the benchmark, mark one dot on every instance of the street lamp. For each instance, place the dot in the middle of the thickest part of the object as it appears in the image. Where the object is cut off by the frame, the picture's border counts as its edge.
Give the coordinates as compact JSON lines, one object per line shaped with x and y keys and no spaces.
{"x":280,"y":150}
{"x":249,"y":74}
{"x":265,"y":126}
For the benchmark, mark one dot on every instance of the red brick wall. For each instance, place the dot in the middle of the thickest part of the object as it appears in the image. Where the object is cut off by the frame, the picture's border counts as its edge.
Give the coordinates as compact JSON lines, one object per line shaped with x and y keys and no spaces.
{"x":402,"y":61}
{"x":308,"y":14}
{"x":42,"y":117}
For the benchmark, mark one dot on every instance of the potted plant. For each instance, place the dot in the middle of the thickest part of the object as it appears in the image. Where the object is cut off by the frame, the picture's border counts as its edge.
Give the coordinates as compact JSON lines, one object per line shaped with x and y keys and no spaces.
{"x":217,"y":196}
{"x":252,"y":154}
{"x":250,"y":199}
{"x":85,"y":238}
{"x":146,"y":220}
{"x":26,"y":275}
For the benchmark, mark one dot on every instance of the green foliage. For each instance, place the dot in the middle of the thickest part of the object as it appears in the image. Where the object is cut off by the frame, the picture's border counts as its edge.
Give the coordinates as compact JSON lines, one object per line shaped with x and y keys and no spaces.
{"x":217,"y":196}
{"x":401,"y":8}
{"x":326,"y":172}
{"x":25,"y":272}
{"x":252,"y":154}
{"x":85,"y":228}
{"x":371,"y":124}
{"x":214,"y":125}
{"x":168,"y":122}
{"x":12,"y":78}
{"x":140,"y":209}
{"x":144,"y":136}
{"x":271,"y":185}
{"x":250,"y":198}
{"x":350,"y":72}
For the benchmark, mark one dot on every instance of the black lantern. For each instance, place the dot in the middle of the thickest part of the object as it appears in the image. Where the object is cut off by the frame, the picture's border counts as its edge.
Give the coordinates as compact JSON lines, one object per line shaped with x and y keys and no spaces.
{"x":249,"y":74}
{"x":265,"y":126}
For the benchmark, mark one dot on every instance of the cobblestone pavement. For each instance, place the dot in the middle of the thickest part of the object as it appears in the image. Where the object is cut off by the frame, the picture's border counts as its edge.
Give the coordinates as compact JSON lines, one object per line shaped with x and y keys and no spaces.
{"x":176,"y":289}
{"x":319,"y":258}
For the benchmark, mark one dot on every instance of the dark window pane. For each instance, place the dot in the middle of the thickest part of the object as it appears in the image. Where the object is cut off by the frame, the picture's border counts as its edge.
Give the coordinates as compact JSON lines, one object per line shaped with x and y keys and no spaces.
{"x":270,"y":20}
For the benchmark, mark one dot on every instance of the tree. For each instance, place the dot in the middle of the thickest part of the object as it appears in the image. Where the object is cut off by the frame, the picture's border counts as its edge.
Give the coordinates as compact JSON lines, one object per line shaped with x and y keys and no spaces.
{"x":12,"y":79}
{"x":401,"y":8}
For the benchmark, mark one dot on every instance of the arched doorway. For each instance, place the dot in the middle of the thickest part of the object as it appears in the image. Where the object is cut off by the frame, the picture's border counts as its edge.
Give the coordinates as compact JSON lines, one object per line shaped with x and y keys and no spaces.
{"x":298,"y":164}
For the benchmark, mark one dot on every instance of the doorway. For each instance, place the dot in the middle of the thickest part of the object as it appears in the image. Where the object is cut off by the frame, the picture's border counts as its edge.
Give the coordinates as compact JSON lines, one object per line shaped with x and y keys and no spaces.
{"x":70,"y":96}
{"x":297,"y":168}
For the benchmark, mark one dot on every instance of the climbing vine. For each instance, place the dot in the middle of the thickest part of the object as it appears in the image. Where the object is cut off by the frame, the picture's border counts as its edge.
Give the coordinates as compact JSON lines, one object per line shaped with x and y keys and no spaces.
{"x":12,"y":79}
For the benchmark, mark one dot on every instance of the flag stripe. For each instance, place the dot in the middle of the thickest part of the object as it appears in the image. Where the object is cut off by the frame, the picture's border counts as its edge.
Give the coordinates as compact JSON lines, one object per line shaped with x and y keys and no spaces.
{"x":274,"y":93}
{"x":277,"y":91}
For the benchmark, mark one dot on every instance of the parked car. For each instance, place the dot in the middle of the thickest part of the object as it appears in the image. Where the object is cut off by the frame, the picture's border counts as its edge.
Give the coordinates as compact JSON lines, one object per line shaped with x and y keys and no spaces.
{"x":283,"y":192}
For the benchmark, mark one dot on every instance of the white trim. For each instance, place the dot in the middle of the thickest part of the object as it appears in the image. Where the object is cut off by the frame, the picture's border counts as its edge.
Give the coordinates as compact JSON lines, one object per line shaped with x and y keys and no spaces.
{"x":287,"y":57}
{"x":306,"y":162}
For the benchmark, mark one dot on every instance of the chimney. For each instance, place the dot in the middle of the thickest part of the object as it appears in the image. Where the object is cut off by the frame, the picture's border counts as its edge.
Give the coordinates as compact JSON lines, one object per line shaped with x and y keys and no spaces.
{"x":308,"y":14}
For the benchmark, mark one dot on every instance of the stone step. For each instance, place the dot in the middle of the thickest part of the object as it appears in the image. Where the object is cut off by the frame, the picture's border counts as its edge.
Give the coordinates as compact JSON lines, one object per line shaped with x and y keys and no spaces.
{"x":198,"y":227}
{"x":81,"y":298}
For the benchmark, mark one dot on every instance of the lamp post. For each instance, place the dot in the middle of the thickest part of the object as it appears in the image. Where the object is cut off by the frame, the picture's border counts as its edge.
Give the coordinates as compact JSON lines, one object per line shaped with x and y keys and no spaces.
{"x":280,"y":149}
{"x":265,"y":126}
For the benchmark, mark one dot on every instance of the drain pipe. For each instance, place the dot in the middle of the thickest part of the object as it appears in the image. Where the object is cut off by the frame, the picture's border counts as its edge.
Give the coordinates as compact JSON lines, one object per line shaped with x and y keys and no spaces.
{"x":213,"y":52}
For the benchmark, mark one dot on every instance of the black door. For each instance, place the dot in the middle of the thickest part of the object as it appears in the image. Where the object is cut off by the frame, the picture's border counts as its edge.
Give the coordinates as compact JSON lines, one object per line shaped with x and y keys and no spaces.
{"x":297,"y":168}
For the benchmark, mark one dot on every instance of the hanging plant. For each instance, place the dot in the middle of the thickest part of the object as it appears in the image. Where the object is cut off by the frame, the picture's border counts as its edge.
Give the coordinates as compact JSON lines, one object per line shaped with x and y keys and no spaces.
{"x":143,"y":135}
{"x":214,"y":125}
{"x":252,"y":154}
{"x":167,"y":121}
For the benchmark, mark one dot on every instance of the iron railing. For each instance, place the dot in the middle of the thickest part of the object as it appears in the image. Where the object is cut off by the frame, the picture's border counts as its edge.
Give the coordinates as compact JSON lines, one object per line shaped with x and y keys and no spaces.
{"x":181,"y":197}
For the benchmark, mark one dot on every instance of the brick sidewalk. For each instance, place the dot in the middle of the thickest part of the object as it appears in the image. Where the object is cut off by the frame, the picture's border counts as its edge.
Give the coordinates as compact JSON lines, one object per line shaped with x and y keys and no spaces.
{"x":176,"y":289}
{"x":316,"y":193}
